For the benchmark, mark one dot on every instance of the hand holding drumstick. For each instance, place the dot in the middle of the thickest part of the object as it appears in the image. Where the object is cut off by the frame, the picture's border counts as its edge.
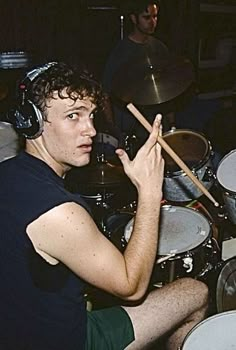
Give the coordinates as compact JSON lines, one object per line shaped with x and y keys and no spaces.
{"x":172,"y":154}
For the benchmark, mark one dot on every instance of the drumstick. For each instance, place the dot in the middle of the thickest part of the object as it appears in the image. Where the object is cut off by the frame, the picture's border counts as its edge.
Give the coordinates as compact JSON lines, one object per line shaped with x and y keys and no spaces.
{"x":170,"y":151}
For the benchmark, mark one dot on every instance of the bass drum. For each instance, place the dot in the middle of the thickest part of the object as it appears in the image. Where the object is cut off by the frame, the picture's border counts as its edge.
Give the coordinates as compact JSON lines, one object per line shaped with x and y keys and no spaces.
{"x":225,"y":175}
{"x":226,"y":286}
{"x":196,"y":152}
{"x":216,"y":332}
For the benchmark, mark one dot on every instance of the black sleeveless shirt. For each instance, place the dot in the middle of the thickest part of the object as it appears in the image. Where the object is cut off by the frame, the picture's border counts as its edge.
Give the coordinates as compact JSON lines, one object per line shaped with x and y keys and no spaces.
{"x":41,"y":305}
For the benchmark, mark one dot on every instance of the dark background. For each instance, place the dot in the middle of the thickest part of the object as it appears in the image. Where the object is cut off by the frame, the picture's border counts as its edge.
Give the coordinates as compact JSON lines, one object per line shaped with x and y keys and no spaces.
{"x":74,"y":29}
{"x":85,"y":31}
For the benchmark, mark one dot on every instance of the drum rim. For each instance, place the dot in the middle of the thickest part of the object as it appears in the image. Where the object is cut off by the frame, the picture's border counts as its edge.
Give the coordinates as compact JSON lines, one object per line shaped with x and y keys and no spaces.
{"x":217,"y":171}
{"x":219,"y":315}
{"x":226,"y":269}
{"x":201,"y":162}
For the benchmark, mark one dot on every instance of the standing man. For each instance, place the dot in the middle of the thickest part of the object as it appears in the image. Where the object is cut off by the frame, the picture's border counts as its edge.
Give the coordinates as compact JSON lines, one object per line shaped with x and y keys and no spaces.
{"x":139,"y":46}
{"x":50,"y":246}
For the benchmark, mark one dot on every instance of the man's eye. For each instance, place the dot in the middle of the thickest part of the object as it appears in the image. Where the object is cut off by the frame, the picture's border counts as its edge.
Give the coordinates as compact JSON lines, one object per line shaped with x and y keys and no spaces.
{"x":72,"y":116}
{"x":92,"y":116}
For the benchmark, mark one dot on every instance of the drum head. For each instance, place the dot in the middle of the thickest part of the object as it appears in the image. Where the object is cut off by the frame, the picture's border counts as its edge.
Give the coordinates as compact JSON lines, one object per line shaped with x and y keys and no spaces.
{"x":226,"y":287}
{"x":190,"y":146}
{"x":181,"y":229}
{"x":216,"y":332}
{"x":226,"y":171}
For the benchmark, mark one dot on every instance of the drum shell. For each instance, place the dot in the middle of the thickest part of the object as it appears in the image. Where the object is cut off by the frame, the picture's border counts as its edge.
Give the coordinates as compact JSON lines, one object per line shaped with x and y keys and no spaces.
{"x":177,"y":186}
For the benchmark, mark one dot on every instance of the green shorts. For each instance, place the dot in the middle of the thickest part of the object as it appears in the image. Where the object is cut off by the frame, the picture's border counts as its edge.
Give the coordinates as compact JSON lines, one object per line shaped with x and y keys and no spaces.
{"x":109,"y":329}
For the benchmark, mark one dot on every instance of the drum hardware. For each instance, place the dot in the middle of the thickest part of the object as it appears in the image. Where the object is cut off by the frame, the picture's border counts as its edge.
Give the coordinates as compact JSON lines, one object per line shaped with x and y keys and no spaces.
{"x":164,"y":258}
{"x":104,"y":147}
{"x":209,"y":174}
{"x":131,"y":145}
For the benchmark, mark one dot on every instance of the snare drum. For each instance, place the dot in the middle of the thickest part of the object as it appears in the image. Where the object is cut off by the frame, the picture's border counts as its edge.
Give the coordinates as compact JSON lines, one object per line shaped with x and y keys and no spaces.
{"x":216,"y":332}
{"x":196,"y":153}
{"x":226,"y":177}
{"x":184,"y":243}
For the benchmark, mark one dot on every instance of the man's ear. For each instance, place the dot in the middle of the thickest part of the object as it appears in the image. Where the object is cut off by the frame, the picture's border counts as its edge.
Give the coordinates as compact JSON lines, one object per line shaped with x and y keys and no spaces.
{"x":133,"y":19}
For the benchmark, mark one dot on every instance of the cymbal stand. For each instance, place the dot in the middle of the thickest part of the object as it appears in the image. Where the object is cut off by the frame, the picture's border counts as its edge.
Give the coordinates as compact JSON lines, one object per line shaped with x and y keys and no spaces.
{"x":104,"y":207}
{"x":101,"y":158}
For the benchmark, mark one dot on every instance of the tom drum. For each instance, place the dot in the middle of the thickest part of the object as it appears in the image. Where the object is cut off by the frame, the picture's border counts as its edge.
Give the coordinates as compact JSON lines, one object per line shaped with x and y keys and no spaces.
{"x":196,"y":152}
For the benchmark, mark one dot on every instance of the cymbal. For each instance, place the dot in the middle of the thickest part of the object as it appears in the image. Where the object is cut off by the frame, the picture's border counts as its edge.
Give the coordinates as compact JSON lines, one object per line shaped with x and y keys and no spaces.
{"x":148,"y":81}
{"x":100,"y":174}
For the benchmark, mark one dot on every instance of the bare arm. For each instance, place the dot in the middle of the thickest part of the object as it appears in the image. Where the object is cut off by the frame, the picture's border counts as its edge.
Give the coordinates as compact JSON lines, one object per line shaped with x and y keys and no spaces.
{"x":68,"y":234}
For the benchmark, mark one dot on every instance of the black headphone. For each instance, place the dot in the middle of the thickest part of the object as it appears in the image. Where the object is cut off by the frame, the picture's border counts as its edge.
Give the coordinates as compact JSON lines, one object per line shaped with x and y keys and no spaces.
{"x":27,"y":118}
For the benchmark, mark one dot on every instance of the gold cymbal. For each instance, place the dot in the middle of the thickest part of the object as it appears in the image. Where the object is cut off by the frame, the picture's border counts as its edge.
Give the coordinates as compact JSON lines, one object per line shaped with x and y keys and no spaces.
{"x":148,"y":81}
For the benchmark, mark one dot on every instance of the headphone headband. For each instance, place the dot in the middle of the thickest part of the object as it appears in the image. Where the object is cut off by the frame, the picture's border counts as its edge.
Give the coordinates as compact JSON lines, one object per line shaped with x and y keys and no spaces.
{"x":34,"y":73}
{"x":27,"y":118}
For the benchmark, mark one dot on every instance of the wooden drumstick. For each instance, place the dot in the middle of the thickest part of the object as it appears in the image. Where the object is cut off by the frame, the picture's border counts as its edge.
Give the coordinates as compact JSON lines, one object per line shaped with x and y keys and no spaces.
{"x":172,"y":154}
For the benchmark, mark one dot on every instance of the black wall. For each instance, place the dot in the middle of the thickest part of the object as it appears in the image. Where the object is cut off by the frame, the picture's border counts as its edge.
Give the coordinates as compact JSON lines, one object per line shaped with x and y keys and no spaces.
{"x":86,"y":30}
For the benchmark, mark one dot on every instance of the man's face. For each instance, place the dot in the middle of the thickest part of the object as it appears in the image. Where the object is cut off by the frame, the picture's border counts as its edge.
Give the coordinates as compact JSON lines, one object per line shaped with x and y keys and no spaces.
{"x":69,"y":130}
{"x":146,"y":21}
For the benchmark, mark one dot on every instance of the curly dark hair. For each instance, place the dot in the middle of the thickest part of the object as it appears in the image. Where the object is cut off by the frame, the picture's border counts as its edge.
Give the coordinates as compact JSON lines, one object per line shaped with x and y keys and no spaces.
{"x":138,"y":6}
{"x":78,"y":83}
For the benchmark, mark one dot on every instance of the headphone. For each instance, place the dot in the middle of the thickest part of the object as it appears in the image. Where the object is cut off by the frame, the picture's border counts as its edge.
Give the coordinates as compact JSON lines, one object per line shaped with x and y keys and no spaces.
{"x":27,"y":118}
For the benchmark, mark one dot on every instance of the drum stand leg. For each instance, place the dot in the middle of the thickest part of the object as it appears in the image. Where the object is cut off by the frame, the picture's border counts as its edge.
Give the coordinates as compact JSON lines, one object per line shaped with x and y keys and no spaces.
{"x":172,"y":271}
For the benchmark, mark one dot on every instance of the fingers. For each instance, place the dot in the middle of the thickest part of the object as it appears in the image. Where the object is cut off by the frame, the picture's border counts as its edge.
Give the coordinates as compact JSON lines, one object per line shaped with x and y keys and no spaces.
{"x":156,"y":131}
{"x":123,"y":156}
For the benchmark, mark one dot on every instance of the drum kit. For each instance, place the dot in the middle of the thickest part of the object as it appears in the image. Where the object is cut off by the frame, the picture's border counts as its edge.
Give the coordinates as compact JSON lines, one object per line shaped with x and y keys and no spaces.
{"x":190,"y":240}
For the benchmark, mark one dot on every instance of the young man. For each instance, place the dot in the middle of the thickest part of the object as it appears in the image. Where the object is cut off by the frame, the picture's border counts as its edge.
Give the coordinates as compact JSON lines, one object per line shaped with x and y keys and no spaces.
{"x":139,"y":46}
{"x":50,"y":245}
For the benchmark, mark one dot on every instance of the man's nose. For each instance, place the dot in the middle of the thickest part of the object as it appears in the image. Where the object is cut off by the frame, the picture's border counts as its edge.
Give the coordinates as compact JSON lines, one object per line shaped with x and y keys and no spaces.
{"x":89,"y":129}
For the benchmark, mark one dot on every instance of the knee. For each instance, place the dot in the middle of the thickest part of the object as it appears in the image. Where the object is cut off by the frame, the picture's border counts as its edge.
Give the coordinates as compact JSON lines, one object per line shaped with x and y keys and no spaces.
{"x":198,"y":288}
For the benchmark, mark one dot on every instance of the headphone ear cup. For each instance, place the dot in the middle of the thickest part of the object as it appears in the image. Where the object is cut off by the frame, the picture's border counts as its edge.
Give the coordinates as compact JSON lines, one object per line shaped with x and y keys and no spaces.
{"x":28,"y":120}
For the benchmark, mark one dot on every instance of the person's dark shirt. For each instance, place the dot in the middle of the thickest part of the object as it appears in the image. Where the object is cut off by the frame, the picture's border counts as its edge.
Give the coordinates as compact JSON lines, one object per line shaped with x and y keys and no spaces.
{"x":42,"y":305}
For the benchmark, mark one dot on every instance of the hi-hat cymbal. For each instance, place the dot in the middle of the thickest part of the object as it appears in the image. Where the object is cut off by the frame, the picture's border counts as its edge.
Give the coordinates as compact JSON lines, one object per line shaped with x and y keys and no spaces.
{"x":100,"y":174}
{"x":148,"y":81}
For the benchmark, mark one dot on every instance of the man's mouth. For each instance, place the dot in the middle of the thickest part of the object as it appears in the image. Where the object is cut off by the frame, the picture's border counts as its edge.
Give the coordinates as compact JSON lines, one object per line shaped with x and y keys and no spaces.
{"x":86,"y":147}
